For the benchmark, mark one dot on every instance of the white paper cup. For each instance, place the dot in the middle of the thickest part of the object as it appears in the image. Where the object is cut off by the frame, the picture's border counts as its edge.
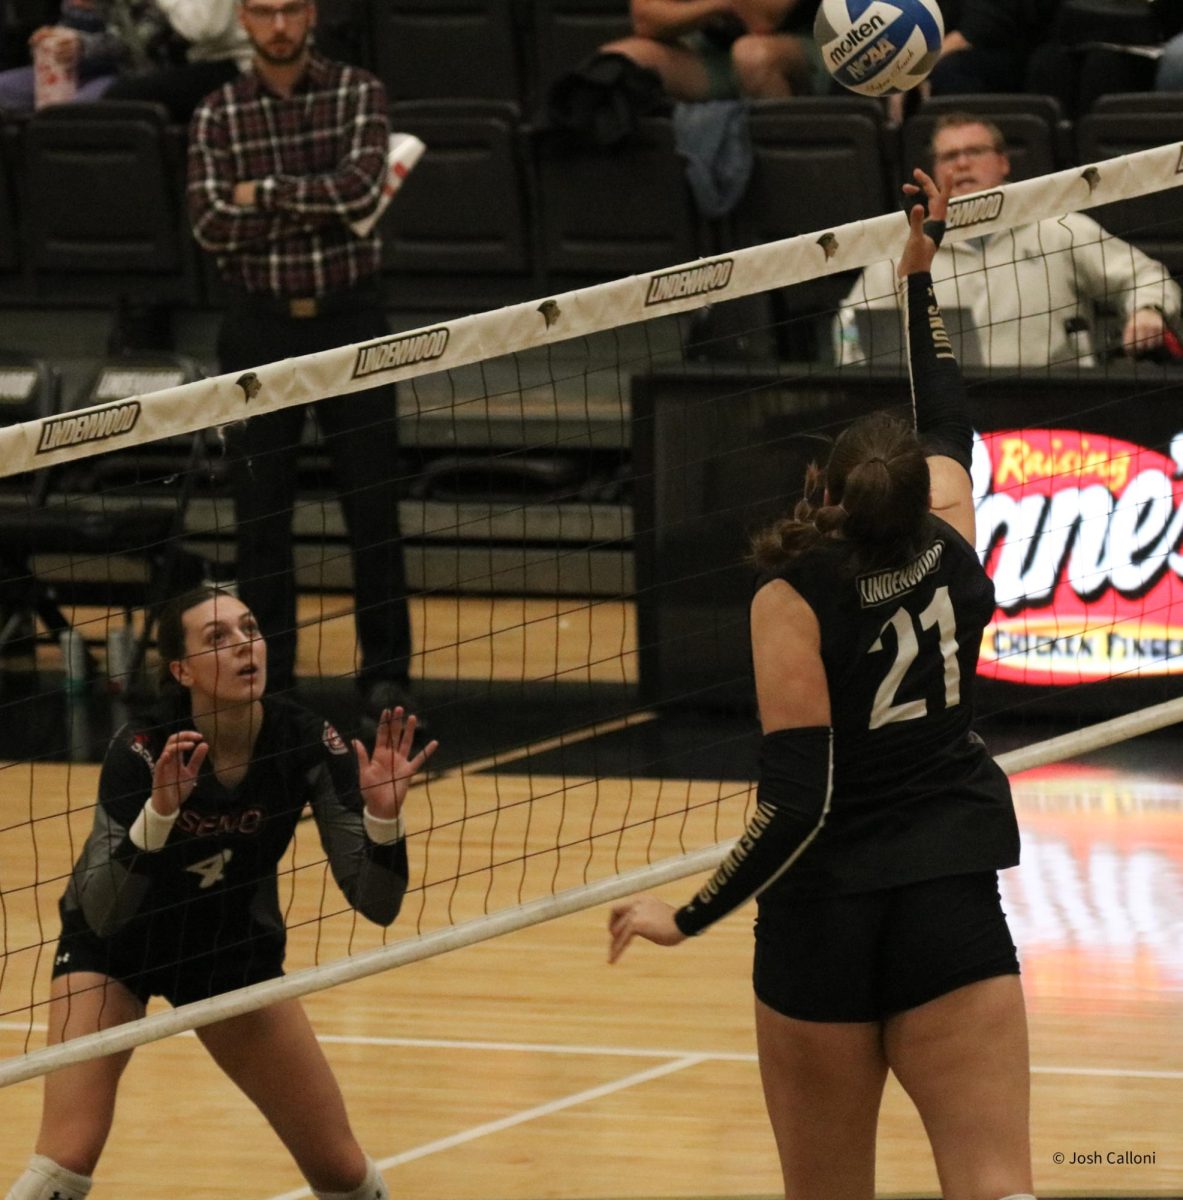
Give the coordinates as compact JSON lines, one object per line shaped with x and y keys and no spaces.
{"x":55,"y":70}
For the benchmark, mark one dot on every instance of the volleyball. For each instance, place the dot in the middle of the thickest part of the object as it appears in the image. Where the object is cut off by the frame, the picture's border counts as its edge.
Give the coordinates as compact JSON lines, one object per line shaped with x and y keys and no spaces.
{"x":876,"y":47}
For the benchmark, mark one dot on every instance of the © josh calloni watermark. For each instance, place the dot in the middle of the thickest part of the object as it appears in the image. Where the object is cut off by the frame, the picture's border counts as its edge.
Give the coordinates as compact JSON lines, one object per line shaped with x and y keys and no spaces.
{"x":1112,"y":1158}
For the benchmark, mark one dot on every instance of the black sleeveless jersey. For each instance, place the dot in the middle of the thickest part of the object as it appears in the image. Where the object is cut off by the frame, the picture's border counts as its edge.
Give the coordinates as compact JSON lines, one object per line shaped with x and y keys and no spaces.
{"x":212,"y":889}
{"x":915,"y":793}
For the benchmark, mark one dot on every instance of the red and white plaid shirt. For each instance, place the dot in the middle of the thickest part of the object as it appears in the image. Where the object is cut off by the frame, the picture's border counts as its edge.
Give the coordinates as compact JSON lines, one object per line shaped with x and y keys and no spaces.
{"x":320,"y":160}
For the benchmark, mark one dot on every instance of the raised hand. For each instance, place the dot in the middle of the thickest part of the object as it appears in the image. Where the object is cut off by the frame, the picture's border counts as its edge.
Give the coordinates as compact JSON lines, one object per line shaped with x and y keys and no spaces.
{"x":923,"y":235}
{"x":175,"y":775}
{"x":66,"y":42}
{"x":385,"y":775}
{"x":1143,"y":331}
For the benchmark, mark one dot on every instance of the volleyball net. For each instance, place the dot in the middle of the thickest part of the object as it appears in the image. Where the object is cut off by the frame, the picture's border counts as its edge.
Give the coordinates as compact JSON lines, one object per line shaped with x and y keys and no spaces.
{"x":578,"y":477}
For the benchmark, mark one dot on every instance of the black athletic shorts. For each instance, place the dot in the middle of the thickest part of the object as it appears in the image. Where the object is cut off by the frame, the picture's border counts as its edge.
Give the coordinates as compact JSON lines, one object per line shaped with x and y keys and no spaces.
{"x":81,"y":949}
{"x":863,"y":957}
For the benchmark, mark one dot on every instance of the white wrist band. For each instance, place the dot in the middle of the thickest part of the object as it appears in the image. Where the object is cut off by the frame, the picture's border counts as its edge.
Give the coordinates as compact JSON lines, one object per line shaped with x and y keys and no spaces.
{"x":384,"y":830}
{"x":149,"y":831}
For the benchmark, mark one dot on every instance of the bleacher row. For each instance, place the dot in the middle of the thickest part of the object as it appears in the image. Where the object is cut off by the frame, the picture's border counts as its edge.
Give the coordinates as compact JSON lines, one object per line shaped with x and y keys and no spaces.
{"x":498,"y":211}
{"x":480,"y":49}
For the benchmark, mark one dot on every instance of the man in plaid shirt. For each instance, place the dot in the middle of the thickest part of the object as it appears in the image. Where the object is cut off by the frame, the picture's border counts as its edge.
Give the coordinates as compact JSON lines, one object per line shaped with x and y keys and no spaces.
{"x":281,"y":161}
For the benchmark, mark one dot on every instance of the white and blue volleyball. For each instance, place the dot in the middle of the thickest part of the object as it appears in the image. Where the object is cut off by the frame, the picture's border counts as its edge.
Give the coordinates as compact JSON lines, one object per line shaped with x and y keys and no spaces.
{"x":876,"y":47}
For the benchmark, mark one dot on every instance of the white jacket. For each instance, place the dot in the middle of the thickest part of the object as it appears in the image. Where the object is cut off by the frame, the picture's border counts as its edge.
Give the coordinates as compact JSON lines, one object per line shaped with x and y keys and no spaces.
{"x":1022,"y":285}
{"x":211,"y":27}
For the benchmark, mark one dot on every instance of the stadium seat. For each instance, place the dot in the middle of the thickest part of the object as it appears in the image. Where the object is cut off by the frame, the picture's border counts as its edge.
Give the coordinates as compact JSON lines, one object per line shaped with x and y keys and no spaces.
{"x":565,"y":32}
{"x":817,"y":163}
{"x":9,"y":255}
{"x":1149,"y":104}
{"x":436,"y":49}
{"x":33,"y":12}
{"x":103,"y":206}
{"x":72,"y":537}
{"x":1037,"y":135}
{"x":613,"y":212}
{"x":29,"y":388}
{"x":457,"y":235}
{"x":1151,"y":222}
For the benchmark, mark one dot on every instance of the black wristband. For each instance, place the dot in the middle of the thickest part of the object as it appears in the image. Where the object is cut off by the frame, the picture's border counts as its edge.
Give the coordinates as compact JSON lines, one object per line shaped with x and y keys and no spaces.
{"x":934,"y":229}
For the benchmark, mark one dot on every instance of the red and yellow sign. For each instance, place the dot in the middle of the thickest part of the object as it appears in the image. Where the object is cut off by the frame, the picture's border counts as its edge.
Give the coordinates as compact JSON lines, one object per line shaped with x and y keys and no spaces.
{"x":1080,"y":533}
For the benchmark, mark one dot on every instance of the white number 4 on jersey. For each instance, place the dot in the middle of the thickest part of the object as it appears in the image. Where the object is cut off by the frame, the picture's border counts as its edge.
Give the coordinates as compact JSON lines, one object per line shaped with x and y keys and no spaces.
{"x":211,"y":870}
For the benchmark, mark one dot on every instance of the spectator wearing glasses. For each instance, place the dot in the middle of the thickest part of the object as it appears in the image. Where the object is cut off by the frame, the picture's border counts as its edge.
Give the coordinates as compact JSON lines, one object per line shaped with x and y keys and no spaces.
{"x":1032,"y":291}
{"x":283,"y":162}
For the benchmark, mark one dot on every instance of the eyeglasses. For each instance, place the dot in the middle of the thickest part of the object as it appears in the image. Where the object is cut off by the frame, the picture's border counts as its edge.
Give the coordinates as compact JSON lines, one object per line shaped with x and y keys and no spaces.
{"x":948,"y":156}
{"x":292,"y":11}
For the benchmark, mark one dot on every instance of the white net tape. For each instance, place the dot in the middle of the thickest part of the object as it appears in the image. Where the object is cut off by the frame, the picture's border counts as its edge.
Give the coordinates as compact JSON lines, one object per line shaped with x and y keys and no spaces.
{"x":223,"y":399}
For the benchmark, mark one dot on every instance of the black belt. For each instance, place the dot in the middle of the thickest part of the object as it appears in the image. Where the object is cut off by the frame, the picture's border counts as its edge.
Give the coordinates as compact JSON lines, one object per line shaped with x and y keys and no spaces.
{"x":363,"y":298}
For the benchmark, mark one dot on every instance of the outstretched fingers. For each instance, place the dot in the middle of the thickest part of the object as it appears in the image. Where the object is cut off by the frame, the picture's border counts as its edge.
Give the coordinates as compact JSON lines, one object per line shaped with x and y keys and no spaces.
{"x":419,"y":761}
{"x":621,"y":929}
{"x":177,"y":768}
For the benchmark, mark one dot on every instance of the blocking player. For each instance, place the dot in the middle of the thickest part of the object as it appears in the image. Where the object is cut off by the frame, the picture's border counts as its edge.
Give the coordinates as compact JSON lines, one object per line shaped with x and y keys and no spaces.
{"x":176,"y":894}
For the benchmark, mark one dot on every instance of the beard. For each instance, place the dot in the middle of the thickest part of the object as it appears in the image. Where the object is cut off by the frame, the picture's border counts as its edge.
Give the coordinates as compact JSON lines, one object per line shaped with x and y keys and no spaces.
{"x":281,"y":53}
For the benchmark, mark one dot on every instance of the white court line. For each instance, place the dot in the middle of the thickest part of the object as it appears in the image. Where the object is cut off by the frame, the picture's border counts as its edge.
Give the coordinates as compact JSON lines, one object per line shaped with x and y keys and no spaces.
{"x":626,"y":1052}
{"x":1109,"y":1072}
{"x":531,"y":1047}
{"x":520,"y":1118}
{"x":704,"y":1055}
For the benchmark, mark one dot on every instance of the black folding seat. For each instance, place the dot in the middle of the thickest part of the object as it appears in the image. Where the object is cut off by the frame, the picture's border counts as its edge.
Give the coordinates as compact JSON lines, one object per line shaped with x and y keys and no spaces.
{"x":81,"y":522}
{"x":103,"y":205}
{"x":436,"y":49}
{"x":565,"y":32}
{"x":818,"y":163}
{"x":9,"y":236}
{"x":605,"y":213}
{"x":457,"y":235}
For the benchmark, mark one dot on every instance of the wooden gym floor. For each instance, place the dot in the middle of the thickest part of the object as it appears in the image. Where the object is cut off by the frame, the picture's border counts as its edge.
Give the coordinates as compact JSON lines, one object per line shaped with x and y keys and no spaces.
{"x":524,"y":1067}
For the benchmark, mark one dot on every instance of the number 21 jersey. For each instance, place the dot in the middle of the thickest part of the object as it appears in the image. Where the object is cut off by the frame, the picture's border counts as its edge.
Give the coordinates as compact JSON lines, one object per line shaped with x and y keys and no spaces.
{"x":916,"y":794}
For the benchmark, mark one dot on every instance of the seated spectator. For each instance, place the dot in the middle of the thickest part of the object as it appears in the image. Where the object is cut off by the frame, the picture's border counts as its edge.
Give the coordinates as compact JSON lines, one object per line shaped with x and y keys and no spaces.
{"x":1075,"y":52}
{"x":1030,"y":291}
{"x":218,"y":48}
{"x":725,"y":49}
{"x":989,"y":45}
{"x":98,"y":39}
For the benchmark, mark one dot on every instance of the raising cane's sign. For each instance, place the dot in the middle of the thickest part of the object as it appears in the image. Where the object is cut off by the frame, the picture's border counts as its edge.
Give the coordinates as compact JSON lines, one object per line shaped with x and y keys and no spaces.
{"x":1080,"y":533}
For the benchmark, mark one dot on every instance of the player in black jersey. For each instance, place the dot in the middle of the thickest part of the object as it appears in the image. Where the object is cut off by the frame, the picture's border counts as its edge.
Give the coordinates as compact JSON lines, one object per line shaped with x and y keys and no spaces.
{"x":176,"y":892}
{"x":881,"y":820}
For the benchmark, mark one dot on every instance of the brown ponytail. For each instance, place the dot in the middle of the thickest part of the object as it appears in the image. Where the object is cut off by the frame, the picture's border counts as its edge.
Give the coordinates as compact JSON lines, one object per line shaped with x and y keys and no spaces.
{"x":877,"y":486}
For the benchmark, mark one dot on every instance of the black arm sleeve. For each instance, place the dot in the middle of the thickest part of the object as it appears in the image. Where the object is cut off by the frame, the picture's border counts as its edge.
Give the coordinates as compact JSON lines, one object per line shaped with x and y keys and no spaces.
{"x":938,"y":391}
{"x":791,"y":805}
{"x":372,"y":877}
{"x":113,"y":877}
